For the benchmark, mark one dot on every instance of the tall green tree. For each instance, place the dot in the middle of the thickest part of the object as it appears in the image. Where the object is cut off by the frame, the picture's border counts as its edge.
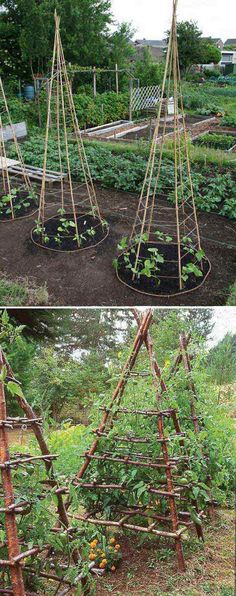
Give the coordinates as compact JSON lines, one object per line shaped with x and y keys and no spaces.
{"x":27,"y":32}
{"x":192,"y":48}
{"x":147,"y":70}
{"x":222,"y":362}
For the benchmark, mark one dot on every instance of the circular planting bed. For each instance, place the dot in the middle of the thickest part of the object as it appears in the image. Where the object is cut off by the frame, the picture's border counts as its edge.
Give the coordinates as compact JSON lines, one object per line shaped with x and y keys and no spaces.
{"x":23,"y":204}
{"x":58,"y":233}
{"x":165,"y":281}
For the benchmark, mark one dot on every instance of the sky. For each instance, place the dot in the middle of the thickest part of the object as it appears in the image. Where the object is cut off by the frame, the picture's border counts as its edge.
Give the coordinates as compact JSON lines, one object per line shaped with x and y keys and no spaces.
{"x":225,"y":322}
{"x":151,"y":18}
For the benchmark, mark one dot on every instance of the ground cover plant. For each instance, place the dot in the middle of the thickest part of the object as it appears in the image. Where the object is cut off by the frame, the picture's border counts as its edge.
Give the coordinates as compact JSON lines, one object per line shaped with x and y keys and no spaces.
{"x":217,"y":141}
{"x":125,"y":170}
{"x":109,"y":551}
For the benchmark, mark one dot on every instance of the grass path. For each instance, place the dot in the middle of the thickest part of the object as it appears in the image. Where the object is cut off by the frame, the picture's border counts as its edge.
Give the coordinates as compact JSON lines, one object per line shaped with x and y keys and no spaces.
{"x":151,"y":571}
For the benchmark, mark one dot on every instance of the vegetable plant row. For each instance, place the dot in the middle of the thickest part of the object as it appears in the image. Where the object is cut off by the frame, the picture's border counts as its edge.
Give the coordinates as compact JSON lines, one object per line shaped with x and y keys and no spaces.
{"x":214,"y":186}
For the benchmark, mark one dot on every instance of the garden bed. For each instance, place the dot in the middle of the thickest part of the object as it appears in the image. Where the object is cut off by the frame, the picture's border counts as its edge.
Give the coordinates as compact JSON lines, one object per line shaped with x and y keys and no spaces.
{"x":89,"y":279}
{"x":166,"y":281}
{"x":59,"y":232}
{"x":23,"y":205}
{"x":217,"y":140}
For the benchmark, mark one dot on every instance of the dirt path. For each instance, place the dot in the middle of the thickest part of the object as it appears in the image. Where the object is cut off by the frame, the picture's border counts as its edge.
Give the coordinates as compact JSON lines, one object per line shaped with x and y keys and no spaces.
{"x":88,"y":278}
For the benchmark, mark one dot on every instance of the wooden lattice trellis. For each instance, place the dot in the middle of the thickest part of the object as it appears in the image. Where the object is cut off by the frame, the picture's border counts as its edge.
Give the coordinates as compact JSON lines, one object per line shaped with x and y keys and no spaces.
{"x":10,"y":509}
{"x":163,"y":254}
{"x":14,"y":185}
{"x":77,"y":223}
{"x":145,"y":97}
{"x":173,"y":496}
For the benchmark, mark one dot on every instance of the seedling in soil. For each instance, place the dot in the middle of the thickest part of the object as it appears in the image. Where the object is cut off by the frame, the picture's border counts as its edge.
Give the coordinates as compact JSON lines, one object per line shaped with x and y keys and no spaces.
{"x":17,"y":201}
{"x":191,"y":269}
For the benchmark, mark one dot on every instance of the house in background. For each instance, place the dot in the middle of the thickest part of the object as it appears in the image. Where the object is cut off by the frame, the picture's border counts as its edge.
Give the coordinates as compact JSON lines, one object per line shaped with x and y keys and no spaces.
{"x":230,"y":43}
{"x":228,"y":61}
{"x":215,"y":40}
{"x":157,"y":47}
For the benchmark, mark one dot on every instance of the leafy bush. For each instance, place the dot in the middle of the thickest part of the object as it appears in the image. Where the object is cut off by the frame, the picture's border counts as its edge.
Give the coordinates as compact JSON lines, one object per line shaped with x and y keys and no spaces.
{"x":216,"y":141}
{"x":228,"y":121}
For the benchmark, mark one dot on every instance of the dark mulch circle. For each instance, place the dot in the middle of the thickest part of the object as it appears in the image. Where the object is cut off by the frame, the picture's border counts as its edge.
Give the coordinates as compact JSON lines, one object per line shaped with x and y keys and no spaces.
{"x":20,"y":210}
{"x":166,"y":280}
{"x":67,"y":240}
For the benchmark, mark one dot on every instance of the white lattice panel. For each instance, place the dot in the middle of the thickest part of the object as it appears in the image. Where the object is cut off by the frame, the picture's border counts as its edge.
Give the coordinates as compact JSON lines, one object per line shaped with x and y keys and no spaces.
{"x":145,"y":97}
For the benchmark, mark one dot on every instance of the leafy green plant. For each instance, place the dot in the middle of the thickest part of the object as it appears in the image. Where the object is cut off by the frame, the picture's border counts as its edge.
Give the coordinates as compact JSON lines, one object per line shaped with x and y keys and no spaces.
{"x":18,"y":201}
{"x":217,"y":141}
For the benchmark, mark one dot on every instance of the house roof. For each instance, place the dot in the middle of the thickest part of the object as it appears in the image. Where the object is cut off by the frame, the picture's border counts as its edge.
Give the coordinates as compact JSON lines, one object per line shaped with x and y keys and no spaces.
{"x":215,"y":39}
{"x":230,"y":42}
{"x":154,"y":43}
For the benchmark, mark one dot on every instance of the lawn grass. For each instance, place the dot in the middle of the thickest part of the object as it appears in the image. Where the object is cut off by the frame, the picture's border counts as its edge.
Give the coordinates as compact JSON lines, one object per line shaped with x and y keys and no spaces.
{"x":22,"y":292}
{"x":232,"y":296}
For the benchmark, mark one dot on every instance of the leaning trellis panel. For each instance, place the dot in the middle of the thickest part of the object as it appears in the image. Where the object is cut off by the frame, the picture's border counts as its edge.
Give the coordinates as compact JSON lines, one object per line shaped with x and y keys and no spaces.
{"x":145,"y":97}
{"x":18,"y":199}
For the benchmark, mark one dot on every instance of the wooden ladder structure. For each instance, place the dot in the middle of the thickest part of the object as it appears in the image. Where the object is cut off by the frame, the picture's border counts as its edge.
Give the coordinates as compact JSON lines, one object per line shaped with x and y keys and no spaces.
{"x":176,"y":518}
{"x":10,"y":509}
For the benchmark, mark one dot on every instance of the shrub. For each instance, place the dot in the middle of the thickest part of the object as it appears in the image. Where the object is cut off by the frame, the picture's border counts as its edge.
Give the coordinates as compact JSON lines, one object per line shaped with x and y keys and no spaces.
{"x":216,"y":141}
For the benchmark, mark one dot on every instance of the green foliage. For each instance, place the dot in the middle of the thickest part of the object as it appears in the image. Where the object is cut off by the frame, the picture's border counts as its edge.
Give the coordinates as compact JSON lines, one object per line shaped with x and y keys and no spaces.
{"x":11,"y":293}
{"x":85,"y":30}
{"x":67,"y":383}
{"x":192,"y":48}
{"x":217,"y":141}
{"x":228,"y":121}
{"x":232,"y":296}
{"x":148,"y":71}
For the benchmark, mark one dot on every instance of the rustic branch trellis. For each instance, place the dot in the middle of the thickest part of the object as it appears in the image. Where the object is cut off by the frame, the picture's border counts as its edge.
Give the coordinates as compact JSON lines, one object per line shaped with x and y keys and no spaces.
{"x":10,"y":180}
{"x":163,"y":255}
{"x":78,"y":223}
{"x":17,"y":551}
{"x":170,"y":490}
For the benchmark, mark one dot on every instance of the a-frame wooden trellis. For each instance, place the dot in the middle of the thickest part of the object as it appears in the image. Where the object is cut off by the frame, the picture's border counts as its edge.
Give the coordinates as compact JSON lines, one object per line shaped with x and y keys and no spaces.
{"x":197,"y":420}
{"x":17,"y":551}
{"x":163,"y":255}
{"x":169,"y":491}
{"x":15,"y":182}
{"x":77,"y":223}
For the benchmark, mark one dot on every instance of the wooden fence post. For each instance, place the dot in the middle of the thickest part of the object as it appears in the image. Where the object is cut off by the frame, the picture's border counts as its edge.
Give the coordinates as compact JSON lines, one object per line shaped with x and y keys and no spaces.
{"x":94,"y":82}
{"x":131,"y":99}
{"x":117,"y":80}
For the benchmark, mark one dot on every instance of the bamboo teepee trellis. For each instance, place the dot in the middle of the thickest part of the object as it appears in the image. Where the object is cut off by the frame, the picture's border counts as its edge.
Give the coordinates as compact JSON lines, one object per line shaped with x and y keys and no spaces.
{"x":121,"y":450}
{"x":17,"y":550}
{"x":11,"y":181}
{"x":168,"y":237}
{"x":77,"y":201}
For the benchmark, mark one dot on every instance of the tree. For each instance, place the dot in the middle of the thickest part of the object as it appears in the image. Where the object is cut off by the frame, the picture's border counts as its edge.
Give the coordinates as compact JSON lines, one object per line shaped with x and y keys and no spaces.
{"x":210,"y":53}
{"x":148,"y":71}
{"x":222,"y":361}
{"x":27,"y":28}
{"x":192,"y":48}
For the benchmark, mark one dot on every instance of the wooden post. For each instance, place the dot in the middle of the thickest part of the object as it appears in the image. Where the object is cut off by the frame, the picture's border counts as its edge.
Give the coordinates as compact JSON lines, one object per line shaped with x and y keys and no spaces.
{"x":94,"y":82}
{"x":117,"y":80}
{"x":131,"y":98}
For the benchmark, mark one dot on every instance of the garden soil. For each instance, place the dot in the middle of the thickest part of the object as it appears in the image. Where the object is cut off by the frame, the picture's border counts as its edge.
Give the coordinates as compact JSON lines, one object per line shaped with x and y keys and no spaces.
{"x":87,"y":278}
